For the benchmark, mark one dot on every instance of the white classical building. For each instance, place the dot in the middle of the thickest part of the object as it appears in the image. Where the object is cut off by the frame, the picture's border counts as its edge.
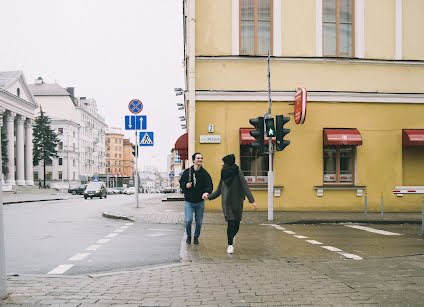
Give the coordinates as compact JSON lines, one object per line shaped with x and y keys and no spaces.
{"x":81,"y":131}
{"x":18,"y":108}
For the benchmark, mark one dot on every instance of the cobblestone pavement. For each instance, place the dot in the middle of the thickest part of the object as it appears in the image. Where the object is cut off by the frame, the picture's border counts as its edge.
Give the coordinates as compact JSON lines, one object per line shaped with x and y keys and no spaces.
{"x":258,"y":274}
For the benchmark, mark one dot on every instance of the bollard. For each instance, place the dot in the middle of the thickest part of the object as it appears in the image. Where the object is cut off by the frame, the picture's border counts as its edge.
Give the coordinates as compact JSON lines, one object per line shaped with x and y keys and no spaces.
{"x":366,"y":200}
{"x":382,"y":205}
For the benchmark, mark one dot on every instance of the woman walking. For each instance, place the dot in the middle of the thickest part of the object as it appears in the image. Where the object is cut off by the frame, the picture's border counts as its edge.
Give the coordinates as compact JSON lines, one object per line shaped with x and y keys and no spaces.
{"x":234,"y":189}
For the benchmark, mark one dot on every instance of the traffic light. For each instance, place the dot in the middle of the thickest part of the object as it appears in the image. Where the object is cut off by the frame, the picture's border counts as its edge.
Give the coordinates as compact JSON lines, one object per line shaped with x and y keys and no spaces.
{"x":134,"y":150}
{"x":258,"y":134}
{"x":280,"y":121}
{"x":269,"y":127}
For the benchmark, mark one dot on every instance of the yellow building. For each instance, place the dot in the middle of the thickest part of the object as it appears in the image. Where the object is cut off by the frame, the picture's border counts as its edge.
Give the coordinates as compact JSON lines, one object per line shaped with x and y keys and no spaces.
{"x":129,"y":161}
{"x":362,"y":63}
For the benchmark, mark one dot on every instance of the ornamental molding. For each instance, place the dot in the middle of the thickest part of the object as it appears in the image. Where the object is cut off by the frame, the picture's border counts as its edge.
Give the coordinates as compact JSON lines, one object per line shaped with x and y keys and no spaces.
{"x":288,"y":96}
{"x":315,"y":60}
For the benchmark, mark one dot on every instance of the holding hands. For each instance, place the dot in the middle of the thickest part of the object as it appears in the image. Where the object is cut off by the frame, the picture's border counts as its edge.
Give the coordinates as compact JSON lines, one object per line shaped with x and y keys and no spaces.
{"x":205,"y":196}
{"x":254,"y":206}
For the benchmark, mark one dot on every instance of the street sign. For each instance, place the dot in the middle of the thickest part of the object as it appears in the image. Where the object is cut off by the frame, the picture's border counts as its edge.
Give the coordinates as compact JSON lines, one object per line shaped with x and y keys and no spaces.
{"x":135,"y":106}
{"x":135,"y":122}
{"x":171,"y":175}
{"x":146,"y":139}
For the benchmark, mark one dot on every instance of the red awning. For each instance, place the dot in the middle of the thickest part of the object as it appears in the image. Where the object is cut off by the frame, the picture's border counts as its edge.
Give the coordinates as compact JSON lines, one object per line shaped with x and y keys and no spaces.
{"x":413,"y":137}
{"x":342,"y":137}
{"x":182,"y":146}
{"x":246,"y":138}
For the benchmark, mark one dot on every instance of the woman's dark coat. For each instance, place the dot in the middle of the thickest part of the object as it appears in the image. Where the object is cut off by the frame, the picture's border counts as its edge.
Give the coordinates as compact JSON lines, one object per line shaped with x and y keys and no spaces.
{"x":233,"y":196}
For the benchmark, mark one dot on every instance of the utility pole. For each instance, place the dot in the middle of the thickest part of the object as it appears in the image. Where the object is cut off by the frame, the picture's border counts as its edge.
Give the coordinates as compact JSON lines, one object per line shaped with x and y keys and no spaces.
{"x":136,"y":169}
{"x":270,"y":151}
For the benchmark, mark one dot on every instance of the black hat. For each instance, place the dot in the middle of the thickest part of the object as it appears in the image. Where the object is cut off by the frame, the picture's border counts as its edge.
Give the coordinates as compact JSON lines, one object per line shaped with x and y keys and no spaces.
{"x":229,"y":159}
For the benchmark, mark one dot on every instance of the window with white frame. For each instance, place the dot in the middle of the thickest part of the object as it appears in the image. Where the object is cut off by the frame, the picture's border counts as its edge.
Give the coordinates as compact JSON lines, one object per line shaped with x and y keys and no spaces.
{"x":255,"y":27}
{"x":254,"y":167}
{"x":338,"y":28}
{"x":339,"y":161}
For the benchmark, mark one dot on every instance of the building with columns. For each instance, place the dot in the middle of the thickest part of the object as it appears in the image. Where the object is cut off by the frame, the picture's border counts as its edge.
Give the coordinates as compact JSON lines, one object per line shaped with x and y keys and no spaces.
{"x":18,"y":108}
{"x":81,"y":130}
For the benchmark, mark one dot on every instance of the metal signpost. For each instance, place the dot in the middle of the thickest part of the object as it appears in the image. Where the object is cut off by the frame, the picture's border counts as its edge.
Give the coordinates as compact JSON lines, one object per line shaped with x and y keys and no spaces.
{"x":270,"y":151}
{"x":144,"y":138}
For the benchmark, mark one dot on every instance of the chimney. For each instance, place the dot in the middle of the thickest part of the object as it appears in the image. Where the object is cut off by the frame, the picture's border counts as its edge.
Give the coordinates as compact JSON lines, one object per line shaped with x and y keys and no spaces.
{"x":71,"y":91}
{"x":39,"y":80}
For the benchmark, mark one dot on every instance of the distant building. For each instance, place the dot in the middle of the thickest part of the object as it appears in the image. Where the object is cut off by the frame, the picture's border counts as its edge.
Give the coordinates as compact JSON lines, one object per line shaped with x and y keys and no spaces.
{"x":17,"y":109}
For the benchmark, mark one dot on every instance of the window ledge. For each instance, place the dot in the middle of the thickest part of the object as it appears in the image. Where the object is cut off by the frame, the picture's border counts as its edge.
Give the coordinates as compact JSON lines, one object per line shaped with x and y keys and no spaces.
{"x":264,"y":187}
{"x":359,"y":188}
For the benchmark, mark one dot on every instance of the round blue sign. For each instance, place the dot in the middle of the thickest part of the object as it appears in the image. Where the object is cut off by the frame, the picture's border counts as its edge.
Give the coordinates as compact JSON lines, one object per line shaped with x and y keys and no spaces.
{"x":135,"y":106}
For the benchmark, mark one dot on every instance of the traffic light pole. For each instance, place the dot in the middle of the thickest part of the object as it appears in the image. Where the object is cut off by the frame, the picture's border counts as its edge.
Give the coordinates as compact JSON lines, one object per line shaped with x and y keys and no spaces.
{"x":136,"y":169}
{"x":270,"y":150}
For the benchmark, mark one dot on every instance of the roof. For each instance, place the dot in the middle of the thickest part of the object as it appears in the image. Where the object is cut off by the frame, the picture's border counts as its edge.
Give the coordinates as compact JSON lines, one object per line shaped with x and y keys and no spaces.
{"x":7,"y":77}
{"x":46,"y":89}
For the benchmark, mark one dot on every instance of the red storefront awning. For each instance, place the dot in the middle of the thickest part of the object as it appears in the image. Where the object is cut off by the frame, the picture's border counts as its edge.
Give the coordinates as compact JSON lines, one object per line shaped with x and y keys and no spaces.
{"x":413,"y":137}
{"x":182,"y":146}
{"x":246,"y":138}
{"x":342,"y":137}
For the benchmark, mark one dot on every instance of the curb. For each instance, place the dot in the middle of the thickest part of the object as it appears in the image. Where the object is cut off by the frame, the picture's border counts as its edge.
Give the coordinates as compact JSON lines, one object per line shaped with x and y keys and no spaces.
{"x":115,"y":216}
{"x":31,"y":201}
{"x":388,"y":222}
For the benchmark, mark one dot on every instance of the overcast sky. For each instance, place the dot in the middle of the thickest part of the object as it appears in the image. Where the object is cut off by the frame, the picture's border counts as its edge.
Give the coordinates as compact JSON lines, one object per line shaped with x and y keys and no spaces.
{"x":109,"y":50}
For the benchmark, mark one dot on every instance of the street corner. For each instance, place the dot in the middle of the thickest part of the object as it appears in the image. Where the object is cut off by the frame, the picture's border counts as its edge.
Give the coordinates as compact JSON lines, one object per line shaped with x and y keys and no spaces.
{"x":115,"y":215}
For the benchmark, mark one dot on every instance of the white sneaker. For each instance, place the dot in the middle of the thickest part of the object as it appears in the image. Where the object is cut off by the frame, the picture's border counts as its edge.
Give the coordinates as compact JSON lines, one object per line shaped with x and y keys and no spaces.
{"x":230,"y":249}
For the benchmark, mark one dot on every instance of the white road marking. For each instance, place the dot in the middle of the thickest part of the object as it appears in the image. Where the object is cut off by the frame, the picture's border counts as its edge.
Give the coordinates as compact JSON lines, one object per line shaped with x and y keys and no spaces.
{"x":119,"y":230}
{"x":156,"y":235}
{"x":158,"y":229}
{"x":279,"y":228}
{"x":290,"y":232}
{"x":124,"y":227}
{"x":351,"y":256}
{"x":103,"y":241}
{"x":313,"y":242}
{"x":92,"y":247}
{"x":381,"y":232}
{"x":61,"y":269}
{"x":333,"y":249}
{"x":129,"y":224}
{"x":79,"y":256}
{"x":301,"y":237}
{"x":111,"y":235}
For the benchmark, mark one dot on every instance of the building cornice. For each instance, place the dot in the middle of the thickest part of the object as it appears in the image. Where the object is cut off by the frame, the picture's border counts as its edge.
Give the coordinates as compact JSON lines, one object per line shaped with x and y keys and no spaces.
{"x":313,"y":60}
{"x":313,"y":96}
{"x":16,"y":104}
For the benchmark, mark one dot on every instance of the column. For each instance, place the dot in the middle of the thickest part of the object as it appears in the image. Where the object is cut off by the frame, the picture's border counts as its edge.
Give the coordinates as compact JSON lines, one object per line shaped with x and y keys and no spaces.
{"x":20,"y":154}
{"x":3,"y":285}
{"x":2,"y":111}
{"x":29,"y":170}
{"x":10,"y":176}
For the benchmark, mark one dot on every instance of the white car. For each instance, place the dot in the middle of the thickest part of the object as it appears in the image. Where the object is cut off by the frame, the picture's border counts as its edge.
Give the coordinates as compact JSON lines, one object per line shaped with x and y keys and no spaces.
{"x":129,"y":191}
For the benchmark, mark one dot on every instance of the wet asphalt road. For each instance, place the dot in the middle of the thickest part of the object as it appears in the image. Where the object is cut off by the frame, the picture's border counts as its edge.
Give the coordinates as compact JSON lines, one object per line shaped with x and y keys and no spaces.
{"x":39,"y":237}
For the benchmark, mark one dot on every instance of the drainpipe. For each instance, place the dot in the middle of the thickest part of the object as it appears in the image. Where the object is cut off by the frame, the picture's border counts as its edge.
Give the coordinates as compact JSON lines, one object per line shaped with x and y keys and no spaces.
{"x":191,"y":120}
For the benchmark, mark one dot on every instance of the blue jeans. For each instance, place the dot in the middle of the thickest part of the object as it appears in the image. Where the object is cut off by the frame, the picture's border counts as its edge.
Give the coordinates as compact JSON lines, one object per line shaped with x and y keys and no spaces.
{"x":198,"y":209}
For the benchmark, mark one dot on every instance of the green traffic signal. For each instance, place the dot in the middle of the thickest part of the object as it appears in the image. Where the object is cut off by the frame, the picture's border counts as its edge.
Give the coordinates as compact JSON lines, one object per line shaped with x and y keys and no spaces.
{"x":269,"y":127}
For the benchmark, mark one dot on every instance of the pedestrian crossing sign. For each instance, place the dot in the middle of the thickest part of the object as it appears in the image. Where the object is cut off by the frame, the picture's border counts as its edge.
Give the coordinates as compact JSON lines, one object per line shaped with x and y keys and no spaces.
{"x":146,"y":139}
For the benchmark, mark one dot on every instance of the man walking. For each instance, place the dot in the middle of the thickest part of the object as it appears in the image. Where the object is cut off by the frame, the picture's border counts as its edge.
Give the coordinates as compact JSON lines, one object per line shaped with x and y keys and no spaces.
{"x":195,"y":183}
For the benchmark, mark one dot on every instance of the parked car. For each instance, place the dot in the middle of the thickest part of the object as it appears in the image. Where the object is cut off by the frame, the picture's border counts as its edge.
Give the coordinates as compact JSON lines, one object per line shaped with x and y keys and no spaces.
{"x":129,"y":191}
{"x":95,"y":189}
{"x":119,"y":190}
{"x":169,"y":190}
{"x":78,"y":190}
{"x":111,"y":191}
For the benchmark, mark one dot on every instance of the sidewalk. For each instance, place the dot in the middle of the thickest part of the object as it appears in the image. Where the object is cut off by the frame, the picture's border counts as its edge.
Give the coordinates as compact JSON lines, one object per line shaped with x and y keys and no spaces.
{"x":156,"y":211}
{"x":37,"y":195}
{"x":259,"y":275}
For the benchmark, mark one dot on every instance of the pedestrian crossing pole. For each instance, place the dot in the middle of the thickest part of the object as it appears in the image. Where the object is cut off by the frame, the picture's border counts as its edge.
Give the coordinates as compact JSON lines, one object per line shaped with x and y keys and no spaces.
{"x":270,"y":150}
{"x":136,"y":169}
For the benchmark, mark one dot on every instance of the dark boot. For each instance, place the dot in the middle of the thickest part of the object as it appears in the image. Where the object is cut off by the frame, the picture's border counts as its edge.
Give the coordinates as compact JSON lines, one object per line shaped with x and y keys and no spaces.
{"x":188,"y":241}
{"x":196,"y":240}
